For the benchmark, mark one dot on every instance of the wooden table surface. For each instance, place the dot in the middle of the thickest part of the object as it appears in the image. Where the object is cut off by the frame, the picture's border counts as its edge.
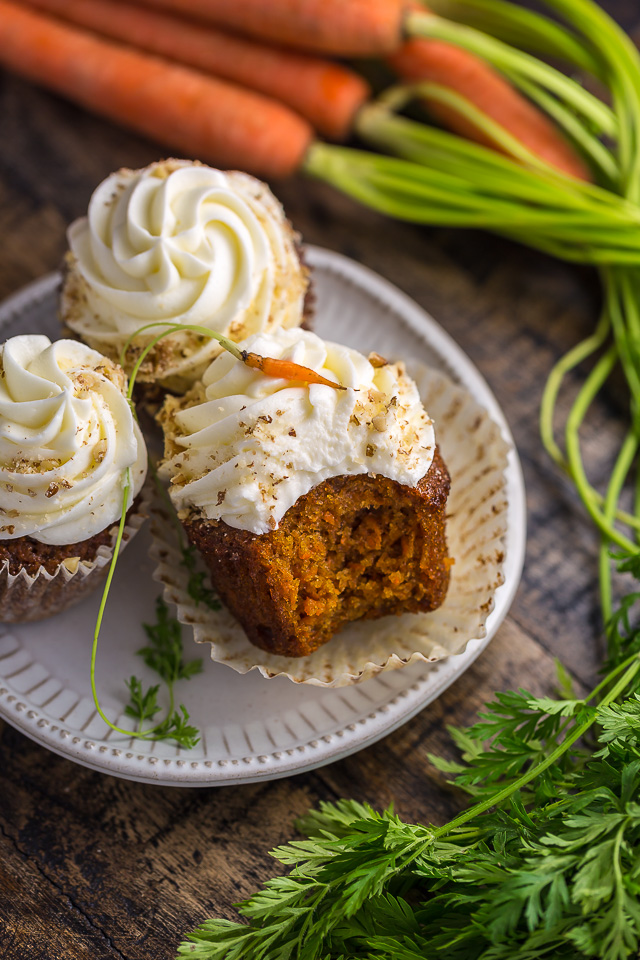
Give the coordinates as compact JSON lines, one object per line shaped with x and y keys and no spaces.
{"x":93,"y":866}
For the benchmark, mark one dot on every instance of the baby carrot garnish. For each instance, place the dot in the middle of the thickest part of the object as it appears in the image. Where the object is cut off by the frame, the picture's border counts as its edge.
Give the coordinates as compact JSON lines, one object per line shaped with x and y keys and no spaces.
{"x":286,"y":370}
{"x":270,"y":366}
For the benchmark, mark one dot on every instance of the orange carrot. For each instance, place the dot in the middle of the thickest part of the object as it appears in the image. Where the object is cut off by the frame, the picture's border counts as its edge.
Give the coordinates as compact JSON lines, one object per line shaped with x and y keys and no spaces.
{"x":472,"y":78}
{"x":342,"y":27}
{"x":326,"y":93}
{"x":375,"y":27}
{"x":197,"y":115}
{"x":286,"y":370}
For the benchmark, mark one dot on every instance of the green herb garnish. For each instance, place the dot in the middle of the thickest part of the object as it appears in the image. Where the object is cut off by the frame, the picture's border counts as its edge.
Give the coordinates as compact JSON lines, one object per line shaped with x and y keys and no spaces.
{"x":164,"y":654}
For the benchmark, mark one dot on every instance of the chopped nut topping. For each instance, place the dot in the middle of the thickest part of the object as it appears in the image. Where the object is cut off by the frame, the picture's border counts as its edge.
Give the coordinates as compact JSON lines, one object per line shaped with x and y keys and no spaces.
{"x":376,"y":360}
{"x":100,"y":451}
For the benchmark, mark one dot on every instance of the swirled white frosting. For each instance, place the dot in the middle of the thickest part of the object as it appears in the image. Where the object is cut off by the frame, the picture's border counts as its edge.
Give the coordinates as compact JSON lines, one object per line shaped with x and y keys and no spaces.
{"x":251,"y":445}
{"x":67,"y":436}
{"x":184,"y":243}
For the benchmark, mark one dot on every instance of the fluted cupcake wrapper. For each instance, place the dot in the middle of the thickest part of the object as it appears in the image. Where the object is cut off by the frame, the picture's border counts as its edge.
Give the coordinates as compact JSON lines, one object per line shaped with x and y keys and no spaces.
{"x":476,"y":455}
{"x":26,"y":598}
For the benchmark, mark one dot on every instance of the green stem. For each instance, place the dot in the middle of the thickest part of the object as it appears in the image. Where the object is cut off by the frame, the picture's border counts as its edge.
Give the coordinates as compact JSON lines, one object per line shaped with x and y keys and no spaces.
{"x":499,"y":135}
{"x":593,"y":148}
{"x":593,"y":384}
{"x":621,"y":469}
{"x":610,"y":677}
{"x":636,"y":498}
{"x":227,"y":344}
{"x":620,"y":301}
{"x":103,"y":603}
{"x":138,"y":734}
{"x":522,"y":28}
{"x":572,"y":359}
{"x":412,"y":192}
{"x":481,"y":168}
{"x":173,"y":328}
{"x":514,"y":63}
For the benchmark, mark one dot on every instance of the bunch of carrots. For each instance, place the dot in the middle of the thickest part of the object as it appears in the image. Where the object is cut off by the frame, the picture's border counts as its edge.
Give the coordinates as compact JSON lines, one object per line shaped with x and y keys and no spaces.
{"x":249,"y":84}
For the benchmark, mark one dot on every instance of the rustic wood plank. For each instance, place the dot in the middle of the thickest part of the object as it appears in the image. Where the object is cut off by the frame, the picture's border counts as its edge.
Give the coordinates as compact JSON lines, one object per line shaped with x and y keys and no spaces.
{"x":148,"y":863}
{"x":38,"y":921}
{"x":92,"y":866}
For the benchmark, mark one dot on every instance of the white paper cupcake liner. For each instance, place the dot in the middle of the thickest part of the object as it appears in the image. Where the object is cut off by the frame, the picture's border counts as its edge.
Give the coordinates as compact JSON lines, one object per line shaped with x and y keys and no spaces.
{"x":26,"y":598}
{"x":476,"y":456}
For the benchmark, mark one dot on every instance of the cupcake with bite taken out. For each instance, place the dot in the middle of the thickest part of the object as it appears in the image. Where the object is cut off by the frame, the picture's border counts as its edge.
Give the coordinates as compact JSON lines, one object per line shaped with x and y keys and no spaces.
{"x":182,"y":243}
{"x":69,"y":444}
{"x":312,"y":506}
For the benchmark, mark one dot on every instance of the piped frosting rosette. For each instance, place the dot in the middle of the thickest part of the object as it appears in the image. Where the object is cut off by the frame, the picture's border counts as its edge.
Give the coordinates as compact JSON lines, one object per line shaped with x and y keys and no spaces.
{"x":181,"y":243}
{"x":476,"y":456}
{"x":68,"y":442}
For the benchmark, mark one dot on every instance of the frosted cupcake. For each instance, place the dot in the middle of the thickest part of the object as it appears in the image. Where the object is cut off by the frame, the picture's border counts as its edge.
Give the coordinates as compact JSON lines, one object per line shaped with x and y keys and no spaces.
{"x":183,"y":243}
{"x":68,"y":444}
{"x":312,"y":507}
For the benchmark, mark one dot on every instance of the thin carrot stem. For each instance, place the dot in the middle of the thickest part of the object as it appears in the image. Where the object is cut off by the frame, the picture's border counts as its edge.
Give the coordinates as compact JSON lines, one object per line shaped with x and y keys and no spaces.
{"x":224,"y":342}
{"x":103,"y":603}
{"x":575,"y":356}
{"x":621,"y":469}
{"x":594,"y":382}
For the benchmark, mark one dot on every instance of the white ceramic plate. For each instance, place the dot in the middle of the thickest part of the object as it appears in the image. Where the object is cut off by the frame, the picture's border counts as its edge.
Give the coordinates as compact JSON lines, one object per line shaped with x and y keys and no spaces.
{"x":252,"y":728}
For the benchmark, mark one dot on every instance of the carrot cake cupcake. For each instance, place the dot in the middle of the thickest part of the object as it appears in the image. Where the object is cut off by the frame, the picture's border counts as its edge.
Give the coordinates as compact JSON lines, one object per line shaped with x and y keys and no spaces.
{"x":182,"y":243}
{"x":311,"y":506}
{"x":68,"y":444}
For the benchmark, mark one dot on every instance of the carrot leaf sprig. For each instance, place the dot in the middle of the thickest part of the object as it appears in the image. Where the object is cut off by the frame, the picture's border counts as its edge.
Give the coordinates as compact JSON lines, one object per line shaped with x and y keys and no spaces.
{"x":164,"y":655}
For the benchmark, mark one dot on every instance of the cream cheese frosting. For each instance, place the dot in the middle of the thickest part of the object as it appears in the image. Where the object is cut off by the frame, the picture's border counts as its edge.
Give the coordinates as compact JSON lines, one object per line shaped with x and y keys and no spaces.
{"x":67,"y":437}
{"x":181,"y":242}
{"x":244,"y":446}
